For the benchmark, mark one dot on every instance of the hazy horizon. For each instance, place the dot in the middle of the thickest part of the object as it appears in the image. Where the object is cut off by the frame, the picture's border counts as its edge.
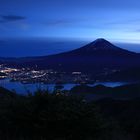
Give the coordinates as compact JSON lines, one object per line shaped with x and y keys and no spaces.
{"x":40,"y":47}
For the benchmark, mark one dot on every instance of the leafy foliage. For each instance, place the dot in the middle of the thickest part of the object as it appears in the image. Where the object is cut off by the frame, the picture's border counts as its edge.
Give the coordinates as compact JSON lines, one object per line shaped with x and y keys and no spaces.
{"x":53,"y":116}
{"x":48,"y":116}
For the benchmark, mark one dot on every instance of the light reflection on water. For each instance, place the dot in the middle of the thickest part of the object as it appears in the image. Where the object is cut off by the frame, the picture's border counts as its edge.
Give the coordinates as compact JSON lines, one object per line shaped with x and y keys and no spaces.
{"x":20,"y":88}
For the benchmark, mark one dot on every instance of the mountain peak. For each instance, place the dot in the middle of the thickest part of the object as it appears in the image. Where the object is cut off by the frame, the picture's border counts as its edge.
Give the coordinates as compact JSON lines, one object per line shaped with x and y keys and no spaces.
{"x":100,"y":40}
{"x":100,"y":44}
{"x":101,"y":47}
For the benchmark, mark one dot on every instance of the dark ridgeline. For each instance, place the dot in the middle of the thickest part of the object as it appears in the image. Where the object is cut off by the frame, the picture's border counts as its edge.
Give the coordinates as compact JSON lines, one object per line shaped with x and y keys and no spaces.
{"x":90,"y":58}
{"x":125,"y":92}
{"x":45,"y":116}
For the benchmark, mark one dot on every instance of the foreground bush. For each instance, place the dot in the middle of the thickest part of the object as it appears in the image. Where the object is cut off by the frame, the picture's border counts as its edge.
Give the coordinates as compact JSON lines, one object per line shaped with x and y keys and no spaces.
{"x":48,"y":116}
{"x":45,"y":116}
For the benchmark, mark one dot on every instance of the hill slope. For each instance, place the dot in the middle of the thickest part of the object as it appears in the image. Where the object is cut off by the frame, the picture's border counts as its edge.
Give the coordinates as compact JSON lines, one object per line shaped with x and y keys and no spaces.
{"x":94,"y":56}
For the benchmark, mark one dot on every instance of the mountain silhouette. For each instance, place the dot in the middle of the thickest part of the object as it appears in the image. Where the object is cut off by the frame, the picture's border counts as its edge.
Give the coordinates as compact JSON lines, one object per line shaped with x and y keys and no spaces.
{"x":93,"y":57}
{"x":101,"y":47}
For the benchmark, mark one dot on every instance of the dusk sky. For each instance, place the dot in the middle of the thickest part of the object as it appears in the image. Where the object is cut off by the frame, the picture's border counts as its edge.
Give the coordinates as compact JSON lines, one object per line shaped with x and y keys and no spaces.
{"x":71,"y":19}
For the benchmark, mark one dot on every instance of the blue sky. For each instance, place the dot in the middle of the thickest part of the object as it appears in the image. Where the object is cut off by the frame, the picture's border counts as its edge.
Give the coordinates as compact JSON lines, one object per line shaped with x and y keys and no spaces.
{"x":71,"y":19}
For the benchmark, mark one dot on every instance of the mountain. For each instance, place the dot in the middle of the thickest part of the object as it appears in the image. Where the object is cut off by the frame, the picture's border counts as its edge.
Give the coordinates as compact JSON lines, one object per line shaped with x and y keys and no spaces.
{"x":101,"y":47}
{"x":129,"y":91}
{"x":93,"y":57}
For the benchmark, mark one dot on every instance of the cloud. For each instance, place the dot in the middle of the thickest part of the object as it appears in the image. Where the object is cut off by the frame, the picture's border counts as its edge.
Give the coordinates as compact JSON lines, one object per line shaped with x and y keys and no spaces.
{"x":13,"y":22}
{"x":124,"y":21}
{"x":62,"y":22}
{"x":10,"y":18}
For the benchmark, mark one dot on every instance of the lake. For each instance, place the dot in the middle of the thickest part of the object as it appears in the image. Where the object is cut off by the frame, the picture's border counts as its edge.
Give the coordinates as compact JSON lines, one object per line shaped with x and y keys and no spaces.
{"x":24,"y":89}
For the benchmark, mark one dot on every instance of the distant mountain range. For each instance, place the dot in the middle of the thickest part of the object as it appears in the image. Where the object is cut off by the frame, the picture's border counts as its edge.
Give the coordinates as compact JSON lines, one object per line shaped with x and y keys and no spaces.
{"x":93,"y":57}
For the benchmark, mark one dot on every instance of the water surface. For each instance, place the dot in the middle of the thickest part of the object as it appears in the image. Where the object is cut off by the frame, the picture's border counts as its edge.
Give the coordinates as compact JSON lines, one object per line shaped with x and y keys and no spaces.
{"x":24,"y":89}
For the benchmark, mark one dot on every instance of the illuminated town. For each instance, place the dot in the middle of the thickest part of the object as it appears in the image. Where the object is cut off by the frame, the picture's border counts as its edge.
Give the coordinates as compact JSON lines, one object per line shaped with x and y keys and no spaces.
{"x":27,"y":75}
{"x":49,"y":76}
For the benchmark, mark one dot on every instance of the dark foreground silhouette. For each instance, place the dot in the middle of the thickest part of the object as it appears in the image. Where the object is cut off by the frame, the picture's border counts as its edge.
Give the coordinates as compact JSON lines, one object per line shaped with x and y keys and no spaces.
{"x":45,"y":116}
{"x":125,"y":92}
